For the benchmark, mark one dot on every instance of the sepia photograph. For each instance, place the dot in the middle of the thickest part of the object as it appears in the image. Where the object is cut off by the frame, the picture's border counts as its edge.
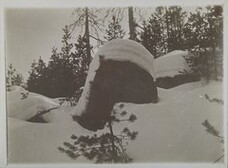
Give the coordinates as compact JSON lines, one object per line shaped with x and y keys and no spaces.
{"x":118,"y":84}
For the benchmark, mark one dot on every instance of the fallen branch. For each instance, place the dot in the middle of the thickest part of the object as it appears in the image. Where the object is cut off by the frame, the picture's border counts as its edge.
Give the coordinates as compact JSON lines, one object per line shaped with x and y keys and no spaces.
{"x":36,"y":118}
{"x":40,"y":113}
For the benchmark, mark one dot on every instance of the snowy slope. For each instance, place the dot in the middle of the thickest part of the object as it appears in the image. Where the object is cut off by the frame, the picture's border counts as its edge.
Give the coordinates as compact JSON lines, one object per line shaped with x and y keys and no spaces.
{"x":169,"y":131}
{"x":170,"y":64}
{"x":172,"y":130}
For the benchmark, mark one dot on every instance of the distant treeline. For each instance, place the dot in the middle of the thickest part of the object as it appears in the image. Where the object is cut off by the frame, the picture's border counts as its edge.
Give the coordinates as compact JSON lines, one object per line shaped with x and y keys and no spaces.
{"x":167,"y":29}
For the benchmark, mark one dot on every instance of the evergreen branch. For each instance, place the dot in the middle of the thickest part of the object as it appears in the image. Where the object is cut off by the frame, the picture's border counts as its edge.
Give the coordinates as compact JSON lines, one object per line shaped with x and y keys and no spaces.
{"x":220,"y":101}
{"x":219,"y":158}
{"x":119,"y":142}
{"x":211,"y":129}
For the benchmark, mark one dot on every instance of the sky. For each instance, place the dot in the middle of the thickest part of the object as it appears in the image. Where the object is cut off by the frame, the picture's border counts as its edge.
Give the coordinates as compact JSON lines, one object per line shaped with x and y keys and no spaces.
{"x":31,"y":33}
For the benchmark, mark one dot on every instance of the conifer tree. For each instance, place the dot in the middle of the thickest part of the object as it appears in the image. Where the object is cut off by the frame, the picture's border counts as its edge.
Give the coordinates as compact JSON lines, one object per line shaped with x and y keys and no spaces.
{"x":14,"y":78}
{"x":151,"y":37}
{"x":203,"y":33}
{"x":174,"y":19}
{"x":88,"y":21}
{"x":35,"y":82}
{"x":114,"y":30}
{"x":81,"y":61}
{"x":108,"y":147}
{"x":163,"y":31}
{"x":55,"y":79}
{"x":67,"y":45}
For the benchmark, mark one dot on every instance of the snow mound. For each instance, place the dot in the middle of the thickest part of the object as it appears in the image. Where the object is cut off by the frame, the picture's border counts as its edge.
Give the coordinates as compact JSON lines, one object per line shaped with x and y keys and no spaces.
{"x":170,"y":64}
{"x":24,"y":105}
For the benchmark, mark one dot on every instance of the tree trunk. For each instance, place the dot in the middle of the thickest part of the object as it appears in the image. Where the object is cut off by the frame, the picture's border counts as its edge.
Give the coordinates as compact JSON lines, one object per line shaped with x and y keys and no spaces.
{"x":213,"y":46}
{"x":113,"y":144}
{"x":131,"y":23}
{"x":87,"y":36}
{"x":214,"y":61}
{"x":167,"y":28}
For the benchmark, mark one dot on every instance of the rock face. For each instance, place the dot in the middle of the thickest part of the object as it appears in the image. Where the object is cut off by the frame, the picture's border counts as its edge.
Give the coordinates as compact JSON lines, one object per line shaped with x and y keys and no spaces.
{"x":114,"y":76}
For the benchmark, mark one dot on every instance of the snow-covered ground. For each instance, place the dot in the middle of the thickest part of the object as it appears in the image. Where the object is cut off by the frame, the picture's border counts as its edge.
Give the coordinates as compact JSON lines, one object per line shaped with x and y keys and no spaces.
{"x":169,"y":131}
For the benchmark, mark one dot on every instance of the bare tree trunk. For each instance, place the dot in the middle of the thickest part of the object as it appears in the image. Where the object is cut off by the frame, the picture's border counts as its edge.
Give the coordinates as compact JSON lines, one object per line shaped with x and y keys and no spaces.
{"x":131,"y":23}
{"x":214,"y":61}
{"x":87,"y":36}
{"x":113,"y":145}
{"x":167,"y":28}
{"x":213,"y":55}
{"x":213,"y":46}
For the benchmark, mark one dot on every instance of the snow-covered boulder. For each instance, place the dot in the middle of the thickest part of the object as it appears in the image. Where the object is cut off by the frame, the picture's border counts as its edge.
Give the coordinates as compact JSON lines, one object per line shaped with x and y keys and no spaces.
{"x":170,"y":68}
{"x":24,"y":105}
{"x":122,"y":71}
{"x":170,"y":64}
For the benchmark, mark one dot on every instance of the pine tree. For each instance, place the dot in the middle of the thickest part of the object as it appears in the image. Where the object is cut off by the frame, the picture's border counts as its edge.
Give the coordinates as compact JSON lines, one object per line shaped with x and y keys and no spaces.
{"x":133,"y":14}
{"x":151,"y":36}
{"x":214,"y":34}
{"x":174,"y":22}
{"x":210,"y":129}
{"x":67,"y":45}
{"x":14,"y":78}
{"x":114,"y":30}
{"x":203,"y":34}
{"x":90,"y":24}
{"x":65,"y":72}
{"x":81,"y":60}
{"x":60,"y":69}
{"x":163,"y":31}
{"x":55,"y":79}
{"x":105,"y":148}
{"x":36,"y":78}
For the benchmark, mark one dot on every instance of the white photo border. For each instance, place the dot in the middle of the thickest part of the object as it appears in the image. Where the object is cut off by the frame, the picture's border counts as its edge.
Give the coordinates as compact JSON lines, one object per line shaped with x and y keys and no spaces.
{"x":4,"y":4}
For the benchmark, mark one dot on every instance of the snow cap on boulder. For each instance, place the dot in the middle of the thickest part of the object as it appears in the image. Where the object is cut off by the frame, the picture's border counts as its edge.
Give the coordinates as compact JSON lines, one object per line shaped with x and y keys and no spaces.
{"x":128,"y":50}
{"x":172,"y":70}
{"x":171,"y":64}
{"x":122,"y":71}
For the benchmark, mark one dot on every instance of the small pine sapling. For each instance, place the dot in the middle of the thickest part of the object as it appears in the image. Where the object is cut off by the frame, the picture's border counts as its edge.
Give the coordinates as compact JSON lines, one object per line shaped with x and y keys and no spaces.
{"x":24,"y":95}
{"x":108,"y":147}
{"x":210,"y":128}
{"x":216,"y":100}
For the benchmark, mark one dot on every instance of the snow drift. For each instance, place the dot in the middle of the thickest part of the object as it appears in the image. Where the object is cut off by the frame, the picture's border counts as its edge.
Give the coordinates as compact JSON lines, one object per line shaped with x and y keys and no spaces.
{"x":24,"y":105}
{"x":169,"y":131}
{"x":122,"y":71}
